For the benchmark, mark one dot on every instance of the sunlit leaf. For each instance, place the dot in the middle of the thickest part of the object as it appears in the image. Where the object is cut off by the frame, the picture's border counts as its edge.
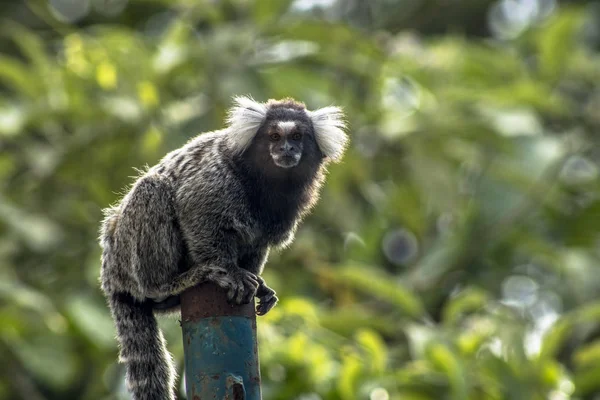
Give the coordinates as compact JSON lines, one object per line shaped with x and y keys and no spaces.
{"x":374,"y":345}
{"x":269,"y":11}
{"x":106,"y":75}
{"x":556,"y":43}
{"x":446,"y":360}
{"x":349,"y":376}
{"x":466,"y":301}
{"x":17,"y":76}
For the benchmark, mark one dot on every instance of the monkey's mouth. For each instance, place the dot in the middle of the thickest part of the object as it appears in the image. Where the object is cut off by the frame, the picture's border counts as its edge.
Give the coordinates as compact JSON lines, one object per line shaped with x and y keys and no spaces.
{"x":286,"y":160}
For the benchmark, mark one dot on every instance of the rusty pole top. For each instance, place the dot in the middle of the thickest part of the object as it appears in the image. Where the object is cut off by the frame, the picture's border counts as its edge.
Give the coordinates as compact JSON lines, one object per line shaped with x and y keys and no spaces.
{"x":209,"y":300}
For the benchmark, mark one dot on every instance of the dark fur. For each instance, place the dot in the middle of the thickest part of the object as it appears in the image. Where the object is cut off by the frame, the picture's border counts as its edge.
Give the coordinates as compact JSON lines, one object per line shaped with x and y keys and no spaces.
{"x":204,"y":213}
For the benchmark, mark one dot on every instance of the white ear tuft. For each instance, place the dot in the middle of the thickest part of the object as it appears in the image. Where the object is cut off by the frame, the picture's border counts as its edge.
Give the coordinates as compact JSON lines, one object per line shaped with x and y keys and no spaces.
{"x":244,"y":119}
{"x":329,"y":128}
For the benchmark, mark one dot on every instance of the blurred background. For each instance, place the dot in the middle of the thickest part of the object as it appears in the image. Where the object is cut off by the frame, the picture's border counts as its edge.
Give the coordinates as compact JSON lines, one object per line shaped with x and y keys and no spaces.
{"x":454,"y":253}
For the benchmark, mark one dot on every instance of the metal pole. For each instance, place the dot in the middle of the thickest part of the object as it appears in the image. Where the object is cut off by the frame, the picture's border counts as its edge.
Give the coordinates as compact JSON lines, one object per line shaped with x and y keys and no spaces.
{"x":220,"y":348}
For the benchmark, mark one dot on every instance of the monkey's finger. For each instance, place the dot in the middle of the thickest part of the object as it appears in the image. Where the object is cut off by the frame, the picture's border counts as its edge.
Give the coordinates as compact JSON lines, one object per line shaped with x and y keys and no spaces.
{"x":251,"y":283}
{"x":249,"y":296}
{"x":251,"y":278}
{"x":246,"y":291}
{"x":231,"y":292}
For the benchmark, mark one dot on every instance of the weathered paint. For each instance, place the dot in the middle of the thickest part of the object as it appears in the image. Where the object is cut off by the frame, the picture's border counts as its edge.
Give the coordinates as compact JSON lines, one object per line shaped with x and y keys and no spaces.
{"x":220,"y":348}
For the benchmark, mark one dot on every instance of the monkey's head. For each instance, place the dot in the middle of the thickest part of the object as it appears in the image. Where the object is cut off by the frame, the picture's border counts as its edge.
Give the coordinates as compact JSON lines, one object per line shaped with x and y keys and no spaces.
{"x":284,"y":135}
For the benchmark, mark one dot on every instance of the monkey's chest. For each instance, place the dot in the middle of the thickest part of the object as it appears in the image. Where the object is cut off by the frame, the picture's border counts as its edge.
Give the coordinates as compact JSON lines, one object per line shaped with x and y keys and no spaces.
{"x":275,"y":213}
{"x":275,"y":227}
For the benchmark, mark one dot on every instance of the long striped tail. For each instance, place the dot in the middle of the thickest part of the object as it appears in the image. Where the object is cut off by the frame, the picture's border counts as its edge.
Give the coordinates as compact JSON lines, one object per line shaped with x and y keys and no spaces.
{"x":150,"y":371}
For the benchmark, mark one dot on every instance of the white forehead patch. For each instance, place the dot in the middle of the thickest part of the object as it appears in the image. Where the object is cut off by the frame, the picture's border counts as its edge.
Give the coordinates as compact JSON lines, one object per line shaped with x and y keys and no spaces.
{"x":286,"y":126}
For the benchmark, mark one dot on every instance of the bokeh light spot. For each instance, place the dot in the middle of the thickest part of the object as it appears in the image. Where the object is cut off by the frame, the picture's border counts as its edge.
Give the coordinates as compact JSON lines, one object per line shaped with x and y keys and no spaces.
{"x":69,"y":10}
{"x":400,"y":246}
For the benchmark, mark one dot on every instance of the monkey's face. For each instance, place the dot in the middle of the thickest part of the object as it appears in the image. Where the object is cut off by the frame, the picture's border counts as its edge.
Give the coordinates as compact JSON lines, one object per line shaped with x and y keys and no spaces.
{"x":284,"y":146}
{"x":285,"y":142}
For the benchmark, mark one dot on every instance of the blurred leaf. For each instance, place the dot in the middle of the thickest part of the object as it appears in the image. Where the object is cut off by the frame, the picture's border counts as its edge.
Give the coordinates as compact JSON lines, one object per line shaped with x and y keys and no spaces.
{"x":347,"y":321}
{"x":586,"y":381}
{"x":350,"y":374}
{"x":92,"y":320}
{"x":588,"y":355}
{"x":50,"y":358}
{"x":268,"y":11}
{"x":556,"y":43}
{"x":382,"y":287}
{"x":148,"y":94}
{"x":446,"y":361}
{"x":468,"y":300}
{"x":377,"y":352}
{"x":30,"y":44}
{"x":106,"y":75}
{"x":152,"y":141}
{"x":555,"y":338}
{"x":15,"y":74}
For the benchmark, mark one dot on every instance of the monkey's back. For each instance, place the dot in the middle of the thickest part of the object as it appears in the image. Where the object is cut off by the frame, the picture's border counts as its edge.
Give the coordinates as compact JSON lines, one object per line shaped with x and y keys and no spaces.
{"x":146,"y":220}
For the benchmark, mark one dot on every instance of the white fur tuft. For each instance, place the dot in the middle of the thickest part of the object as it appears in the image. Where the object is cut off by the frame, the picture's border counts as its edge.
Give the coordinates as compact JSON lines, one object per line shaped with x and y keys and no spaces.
{"x":329,"y":128}
{"x":244,"y":119}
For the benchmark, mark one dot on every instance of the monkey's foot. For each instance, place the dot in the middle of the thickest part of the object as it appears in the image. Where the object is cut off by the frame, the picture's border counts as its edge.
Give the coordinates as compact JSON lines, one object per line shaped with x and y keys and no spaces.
{"x":241,"y":285}
{"x":266,"y":298}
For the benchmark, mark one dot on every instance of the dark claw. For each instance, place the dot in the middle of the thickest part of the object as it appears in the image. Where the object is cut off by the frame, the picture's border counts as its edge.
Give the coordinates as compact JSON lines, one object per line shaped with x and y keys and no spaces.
{"x":266,"y":303}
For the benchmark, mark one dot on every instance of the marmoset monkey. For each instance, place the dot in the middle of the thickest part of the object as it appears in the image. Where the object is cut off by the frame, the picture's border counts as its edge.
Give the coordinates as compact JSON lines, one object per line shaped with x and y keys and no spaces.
{"x":209,"y":212}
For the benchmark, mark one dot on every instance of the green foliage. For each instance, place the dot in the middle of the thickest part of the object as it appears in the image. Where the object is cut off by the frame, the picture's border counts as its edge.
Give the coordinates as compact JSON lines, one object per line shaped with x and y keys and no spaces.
{"x":453,"y":254}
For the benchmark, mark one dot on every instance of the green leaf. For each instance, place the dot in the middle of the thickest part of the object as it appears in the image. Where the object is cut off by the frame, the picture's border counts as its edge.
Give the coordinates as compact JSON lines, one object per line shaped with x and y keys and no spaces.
{"x":350,"y":374}
{"x":18,"y":76}
{"x":588,"y":355}
{"x":445,"y":360}
{"x":561,"y":329}
{"x":31,"y":45}
{"x":556,"y":43}
{"x":93,"y":320}
{"x":383,"y":287}
{"x":468,"y":300}
{"x":375,"y":347}
{"x":269,"y":11}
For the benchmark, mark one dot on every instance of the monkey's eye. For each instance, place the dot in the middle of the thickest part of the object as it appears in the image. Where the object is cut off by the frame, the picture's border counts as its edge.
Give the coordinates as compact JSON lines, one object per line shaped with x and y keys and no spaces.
{"x":297,"y":136}
{"x":275,"y":136}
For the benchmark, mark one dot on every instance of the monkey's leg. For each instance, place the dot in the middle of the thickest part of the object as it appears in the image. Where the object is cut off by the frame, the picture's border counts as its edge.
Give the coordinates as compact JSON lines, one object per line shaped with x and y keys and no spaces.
{"x":254,"y":260}
{"x":149,"y":225}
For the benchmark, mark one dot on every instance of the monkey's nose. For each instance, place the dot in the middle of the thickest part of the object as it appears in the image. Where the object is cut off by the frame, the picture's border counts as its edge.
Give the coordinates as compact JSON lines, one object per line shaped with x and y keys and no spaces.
{"x":286,"y":147}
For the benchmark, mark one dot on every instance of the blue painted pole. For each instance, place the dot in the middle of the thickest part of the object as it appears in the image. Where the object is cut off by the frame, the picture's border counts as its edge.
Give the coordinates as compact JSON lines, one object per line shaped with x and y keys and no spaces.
{"x":220,"y":347}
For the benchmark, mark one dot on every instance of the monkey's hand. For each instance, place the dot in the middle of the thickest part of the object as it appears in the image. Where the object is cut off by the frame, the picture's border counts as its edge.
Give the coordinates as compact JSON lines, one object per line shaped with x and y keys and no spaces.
{"x":241,"y":285}
{"x":266,"y":297}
